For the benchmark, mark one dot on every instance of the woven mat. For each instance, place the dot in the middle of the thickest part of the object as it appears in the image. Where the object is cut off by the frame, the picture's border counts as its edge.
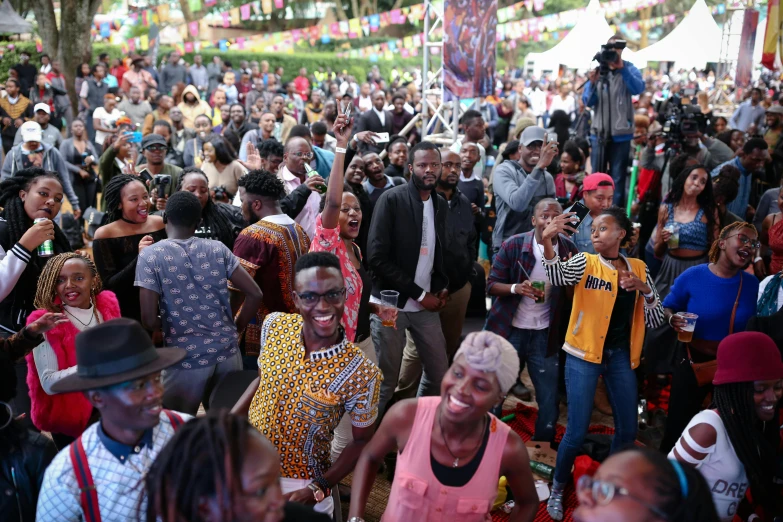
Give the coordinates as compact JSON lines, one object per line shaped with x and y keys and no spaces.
{"x":524,"y":425}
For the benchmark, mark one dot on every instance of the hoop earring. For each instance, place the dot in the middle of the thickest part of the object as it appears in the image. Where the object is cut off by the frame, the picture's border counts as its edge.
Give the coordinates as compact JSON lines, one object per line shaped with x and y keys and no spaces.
{"x":10,"y":415}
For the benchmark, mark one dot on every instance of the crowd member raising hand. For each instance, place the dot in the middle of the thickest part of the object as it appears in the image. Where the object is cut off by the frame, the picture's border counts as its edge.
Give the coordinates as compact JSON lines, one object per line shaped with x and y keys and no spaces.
{"x":614,"y":301}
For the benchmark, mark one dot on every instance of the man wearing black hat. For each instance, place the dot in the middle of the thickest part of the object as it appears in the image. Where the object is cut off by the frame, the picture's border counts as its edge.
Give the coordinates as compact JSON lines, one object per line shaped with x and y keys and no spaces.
{"x":101,"y":474}
{"x":154,"y":149}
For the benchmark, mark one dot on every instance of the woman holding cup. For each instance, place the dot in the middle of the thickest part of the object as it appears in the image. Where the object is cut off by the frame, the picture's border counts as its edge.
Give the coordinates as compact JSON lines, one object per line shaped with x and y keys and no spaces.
{"x":714,"y":300}
{"x":336,"y":229}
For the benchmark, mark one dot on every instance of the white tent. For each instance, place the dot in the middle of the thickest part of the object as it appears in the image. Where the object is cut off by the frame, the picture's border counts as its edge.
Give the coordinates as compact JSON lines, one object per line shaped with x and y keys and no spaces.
{"x":693,"y":43}
{"x":577,"y":49}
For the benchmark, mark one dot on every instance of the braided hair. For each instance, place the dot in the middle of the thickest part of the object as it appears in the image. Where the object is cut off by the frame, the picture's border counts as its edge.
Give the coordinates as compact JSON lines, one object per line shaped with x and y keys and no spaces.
{"x":734,"y":402}
{"x":112,"y":195}
{"x":726,"y":232}
{"x":214,"y":215}
{"x":18,"y":222}
{"x":202,"y":461}
{"x":47,"y":284}
{"x":667,"y":483}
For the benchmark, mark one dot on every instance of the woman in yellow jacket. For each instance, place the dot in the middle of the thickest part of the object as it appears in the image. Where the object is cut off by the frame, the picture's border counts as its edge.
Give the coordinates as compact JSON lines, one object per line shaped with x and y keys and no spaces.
{"x":614,"y":298}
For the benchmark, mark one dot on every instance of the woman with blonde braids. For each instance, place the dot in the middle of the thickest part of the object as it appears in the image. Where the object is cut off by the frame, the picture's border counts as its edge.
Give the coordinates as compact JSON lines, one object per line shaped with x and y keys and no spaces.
{"x":69,"y":284}
{"x":723,"y":297}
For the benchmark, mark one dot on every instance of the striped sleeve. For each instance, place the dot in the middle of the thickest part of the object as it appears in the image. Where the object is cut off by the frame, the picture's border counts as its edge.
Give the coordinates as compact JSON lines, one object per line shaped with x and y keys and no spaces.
{"x":653,"y":312}
{"x":565,"y":273}
{"x":12,"y":264}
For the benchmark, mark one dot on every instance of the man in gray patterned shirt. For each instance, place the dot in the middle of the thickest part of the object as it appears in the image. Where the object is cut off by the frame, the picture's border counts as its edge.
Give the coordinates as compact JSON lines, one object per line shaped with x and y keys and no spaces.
{"x":186,"y":279}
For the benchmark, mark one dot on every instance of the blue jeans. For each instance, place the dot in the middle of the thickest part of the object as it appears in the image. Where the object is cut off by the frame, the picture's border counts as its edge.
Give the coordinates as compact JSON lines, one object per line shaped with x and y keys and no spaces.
{"x":531,"y":345}
{"x":617,"y":155}
{"x":581,"y":379}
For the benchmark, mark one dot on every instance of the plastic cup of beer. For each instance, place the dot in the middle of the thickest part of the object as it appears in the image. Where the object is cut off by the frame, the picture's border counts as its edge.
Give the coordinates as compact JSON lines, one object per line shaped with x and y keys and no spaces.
{"x":389,"y":300}
{"x":686,"y":335}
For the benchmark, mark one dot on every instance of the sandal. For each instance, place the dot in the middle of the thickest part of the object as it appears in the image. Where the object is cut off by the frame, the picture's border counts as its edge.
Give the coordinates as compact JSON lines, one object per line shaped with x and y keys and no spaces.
{"x":555,"y":505}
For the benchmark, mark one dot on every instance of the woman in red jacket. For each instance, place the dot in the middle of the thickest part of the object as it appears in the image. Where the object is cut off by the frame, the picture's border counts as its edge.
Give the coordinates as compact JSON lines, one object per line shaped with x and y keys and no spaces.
{"x":70,"y":284}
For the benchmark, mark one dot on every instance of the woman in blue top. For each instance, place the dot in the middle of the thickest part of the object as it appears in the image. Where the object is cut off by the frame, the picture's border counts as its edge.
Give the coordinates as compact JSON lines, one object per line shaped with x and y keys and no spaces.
{"x":691,"y":207}
{"x":724,"y":298}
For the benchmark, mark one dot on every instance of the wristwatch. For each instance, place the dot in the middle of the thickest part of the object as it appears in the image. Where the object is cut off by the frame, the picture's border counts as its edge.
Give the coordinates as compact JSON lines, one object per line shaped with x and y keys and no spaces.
{"x":356,"y":519}
{"x":318,"y":493}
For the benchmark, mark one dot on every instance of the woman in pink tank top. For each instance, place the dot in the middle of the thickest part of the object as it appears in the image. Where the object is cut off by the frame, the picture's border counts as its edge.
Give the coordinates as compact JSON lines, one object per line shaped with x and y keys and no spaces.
{"x":451,"y":450}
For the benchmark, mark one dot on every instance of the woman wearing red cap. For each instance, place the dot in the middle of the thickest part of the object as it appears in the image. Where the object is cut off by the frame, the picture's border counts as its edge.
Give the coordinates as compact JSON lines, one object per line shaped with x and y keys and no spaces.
{"x":726,"y":442}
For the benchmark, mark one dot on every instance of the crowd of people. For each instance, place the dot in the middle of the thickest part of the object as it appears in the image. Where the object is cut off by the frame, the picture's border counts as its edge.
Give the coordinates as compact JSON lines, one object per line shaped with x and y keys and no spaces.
{"x":293,"y":259}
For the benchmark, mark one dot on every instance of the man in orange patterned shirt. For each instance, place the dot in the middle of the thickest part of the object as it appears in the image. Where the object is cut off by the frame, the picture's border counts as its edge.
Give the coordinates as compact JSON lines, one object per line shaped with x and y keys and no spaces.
{"x":309,"y":376}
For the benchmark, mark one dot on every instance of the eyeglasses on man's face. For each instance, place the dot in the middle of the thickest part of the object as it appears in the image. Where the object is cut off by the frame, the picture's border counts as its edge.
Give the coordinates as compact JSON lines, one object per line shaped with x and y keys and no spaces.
{"x":333,"y":297}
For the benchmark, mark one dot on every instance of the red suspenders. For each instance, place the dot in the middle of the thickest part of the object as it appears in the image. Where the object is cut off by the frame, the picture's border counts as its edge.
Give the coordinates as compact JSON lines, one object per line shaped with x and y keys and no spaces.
{"x":81,"y":468}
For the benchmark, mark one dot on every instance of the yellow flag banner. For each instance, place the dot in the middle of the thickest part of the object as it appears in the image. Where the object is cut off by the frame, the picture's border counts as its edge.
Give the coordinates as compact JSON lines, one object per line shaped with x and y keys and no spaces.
{"x":772,"y":34}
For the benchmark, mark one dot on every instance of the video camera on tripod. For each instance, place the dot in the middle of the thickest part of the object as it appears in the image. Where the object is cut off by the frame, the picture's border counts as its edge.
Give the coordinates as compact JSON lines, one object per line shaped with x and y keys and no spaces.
{"x":607,"y":55}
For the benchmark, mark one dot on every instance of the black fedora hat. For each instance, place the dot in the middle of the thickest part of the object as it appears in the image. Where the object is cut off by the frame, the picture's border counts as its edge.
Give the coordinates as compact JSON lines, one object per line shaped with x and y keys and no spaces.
{"x":113,"y":352}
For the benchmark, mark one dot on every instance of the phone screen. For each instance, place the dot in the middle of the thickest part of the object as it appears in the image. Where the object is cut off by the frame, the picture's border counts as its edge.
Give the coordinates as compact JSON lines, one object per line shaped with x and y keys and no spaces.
{"x":145,"y":175}
{"x":581,"y":213}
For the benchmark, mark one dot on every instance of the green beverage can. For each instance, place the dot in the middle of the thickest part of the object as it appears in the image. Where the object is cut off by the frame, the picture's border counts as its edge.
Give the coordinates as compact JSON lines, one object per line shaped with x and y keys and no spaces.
{"x":542,"y":470}
{"x":46,"y":249}
{"x":540,"y":286}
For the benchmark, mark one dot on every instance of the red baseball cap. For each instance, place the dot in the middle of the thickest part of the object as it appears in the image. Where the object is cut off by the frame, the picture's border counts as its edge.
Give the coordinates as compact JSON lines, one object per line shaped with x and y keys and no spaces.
{"x":747,"y":357}
{"x":591,"y":182}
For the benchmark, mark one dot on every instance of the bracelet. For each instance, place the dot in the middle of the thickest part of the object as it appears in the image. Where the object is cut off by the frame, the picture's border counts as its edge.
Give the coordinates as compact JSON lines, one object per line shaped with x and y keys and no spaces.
{"x":339,"y":149}
{"x":758,"y":258}
{"x":356,"y":519}
{"x":513,"y":289}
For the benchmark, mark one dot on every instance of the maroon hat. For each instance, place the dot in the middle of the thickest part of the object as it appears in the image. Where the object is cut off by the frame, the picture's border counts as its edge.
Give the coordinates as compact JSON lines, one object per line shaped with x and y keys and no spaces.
{"x":747,"y":357}
{"x":591,"y":182}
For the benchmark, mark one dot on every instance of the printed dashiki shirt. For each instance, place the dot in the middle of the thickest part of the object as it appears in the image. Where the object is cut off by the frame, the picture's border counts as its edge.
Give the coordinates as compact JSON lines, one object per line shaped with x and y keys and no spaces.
{"x":268,"y":250}
{"x":329,"y":240}
{"x":301,"y":399}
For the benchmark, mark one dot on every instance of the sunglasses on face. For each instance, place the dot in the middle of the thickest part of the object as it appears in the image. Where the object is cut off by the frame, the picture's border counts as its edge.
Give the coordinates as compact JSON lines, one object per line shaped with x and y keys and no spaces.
{"x":604,"y":492}
{"x":157,"y":148}
{"x":333,"y":297}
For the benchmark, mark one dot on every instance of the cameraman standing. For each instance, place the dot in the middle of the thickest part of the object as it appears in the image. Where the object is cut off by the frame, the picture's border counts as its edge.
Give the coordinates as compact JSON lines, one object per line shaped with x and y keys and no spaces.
{"x":153,"y":148}
{"x":613,"y":118}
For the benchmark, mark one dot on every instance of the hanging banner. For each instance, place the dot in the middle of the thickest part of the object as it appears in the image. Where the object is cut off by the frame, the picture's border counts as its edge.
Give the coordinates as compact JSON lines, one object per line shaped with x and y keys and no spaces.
{"x":772,"y":35}
{"x":747,"y":43}
{"x":469,"y":47}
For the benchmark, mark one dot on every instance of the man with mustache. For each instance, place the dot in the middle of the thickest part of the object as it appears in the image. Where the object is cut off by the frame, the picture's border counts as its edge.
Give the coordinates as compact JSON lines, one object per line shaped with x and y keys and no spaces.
{"x":407,"y":235}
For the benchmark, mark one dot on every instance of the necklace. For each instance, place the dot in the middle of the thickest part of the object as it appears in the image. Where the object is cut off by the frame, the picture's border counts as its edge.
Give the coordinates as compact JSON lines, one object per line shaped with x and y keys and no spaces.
{"x":611,"y":258}
{"x":88,"y":323}
{"x":445,"y":442}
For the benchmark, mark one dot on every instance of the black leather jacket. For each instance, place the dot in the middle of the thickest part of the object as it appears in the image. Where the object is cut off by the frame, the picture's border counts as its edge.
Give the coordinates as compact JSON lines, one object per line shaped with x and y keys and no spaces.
{"x":22,"y":469}
{"x":395,"y":240}
{"x":460,"y":247}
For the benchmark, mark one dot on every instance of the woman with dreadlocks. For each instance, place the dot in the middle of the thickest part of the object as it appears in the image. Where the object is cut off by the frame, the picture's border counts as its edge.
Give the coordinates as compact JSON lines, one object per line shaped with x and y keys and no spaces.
{"x":727,"y":442}
{"x":219,"y":221}
{"x":69,"y":284}
{"x":641,"y":484}
{"x":219,"y":468}
{"x":117,"y":245}
{"x":723,"y":297}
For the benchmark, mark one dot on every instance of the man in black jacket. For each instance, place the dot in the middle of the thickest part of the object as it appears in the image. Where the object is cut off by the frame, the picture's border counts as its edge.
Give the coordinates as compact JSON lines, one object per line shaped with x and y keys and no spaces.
{"x":407,"y":238}
{"x":375,"y":120}
{"x":460,"y":250}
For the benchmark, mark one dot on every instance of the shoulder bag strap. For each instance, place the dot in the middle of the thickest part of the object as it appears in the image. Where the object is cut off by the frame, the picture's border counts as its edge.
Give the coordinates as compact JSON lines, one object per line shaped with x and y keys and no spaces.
{"x":89,"y":495}
{"x":734,"y":310}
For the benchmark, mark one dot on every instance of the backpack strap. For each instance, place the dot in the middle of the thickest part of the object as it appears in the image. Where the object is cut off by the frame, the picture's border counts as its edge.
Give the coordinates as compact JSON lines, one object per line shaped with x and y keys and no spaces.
{"x":175,"y":419}
{"x":89,"y":495}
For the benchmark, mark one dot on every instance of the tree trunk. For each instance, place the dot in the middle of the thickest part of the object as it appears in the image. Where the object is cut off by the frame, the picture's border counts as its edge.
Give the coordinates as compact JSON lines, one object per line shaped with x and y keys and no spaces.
{"x":189,"y":16}
{"x":340,"y":11}
{"x":355,"y":9}
{"x":44,"y":15}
